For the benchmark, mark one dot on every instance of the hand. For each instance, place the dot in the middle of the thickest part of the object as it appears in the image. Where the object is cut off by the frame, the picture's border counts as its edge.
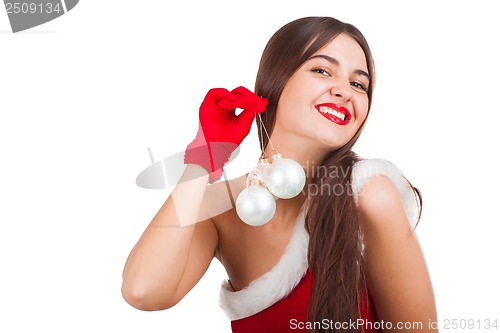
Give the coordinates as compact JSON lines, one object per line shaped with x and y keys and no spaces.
{"x":221,"y":131}
{"x":218,"y":118}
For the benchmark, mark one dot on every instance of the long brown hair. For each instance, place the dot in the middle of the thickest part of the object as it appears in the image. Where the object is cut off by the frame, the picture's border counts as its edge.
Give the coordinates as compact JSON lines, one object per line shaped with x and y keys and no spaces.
{"x":335,"y":257}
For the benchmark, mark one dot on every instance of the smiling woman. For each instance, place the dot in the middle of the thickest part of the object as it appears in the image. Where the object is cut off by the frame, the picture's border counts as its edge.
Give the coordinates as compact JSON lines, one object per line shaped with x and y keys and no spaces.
{"x":332,"y":70}
{"x":341,"y":255}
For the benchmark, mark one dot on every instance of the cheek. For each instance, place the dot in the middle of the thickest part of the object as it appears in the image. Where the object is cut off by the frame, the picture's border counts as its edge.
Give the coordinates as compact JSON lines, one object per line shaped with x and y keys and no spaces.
{"x":289,"y":97}
{"x":362,"y":110}
{"x":289,"y":105}
{"x":285,"y":115}
{"x":297,"y":92}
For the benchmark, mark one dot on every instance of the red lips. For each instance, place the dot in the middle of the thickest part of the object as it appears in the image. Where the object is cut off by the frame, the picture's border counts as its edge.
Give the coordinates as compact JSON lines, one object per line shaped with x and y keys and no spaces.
{"x":335,"y":113}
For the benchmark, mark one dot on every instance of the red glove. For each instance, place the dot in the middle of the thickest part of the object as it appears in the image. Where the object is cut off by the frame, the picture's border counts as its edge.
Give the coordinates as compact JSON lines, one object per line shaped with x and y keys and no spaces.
{"x":221,"y":131}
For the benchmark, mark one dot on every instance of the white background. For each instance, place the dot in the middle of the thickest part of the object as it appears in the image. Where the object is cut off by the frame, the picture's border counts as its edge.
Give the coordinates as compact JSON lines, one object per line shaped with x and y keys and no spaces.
{"x":83,"y":96}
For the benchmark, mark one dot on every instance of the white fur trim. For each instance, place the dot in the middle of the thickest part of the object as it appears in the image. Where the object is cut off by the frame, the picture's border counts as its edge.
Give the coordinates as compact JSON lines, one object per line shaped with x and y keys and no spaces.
{"x":365,"y":169}
{"x":273,"y":285}
{"x":276,"y":284}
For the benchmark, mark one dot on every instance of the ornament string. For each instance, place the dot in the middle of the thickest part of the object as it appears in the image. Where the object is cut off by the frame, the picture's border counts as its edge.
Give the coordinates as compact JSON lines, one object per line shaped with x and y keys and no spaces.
{"x":263,"y":129}
{"x":262,"y":155}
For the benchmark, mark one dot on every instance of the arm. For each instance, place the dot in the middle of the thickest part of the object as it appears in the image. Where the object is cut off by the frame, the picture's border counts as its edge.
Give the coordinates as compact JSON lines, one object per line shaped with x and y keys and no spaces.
{"x":175,"y":250}
{"x":397,"y":274}
{"x":169,"y":259}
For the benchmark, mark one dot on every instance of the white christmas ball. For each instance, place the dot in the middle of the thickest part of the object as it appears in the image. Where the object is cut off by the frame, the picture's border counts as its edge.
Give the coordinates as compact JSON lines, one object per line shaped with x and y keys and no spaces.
{"x":255,"y":205}
{"x":286,"y":178}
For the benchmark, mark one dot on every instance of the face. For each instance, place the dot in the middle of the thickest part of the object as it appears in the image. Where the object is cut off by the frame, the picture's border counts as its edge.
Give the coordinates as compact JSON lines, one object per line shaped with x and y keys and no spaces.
{"x":326,"y":100}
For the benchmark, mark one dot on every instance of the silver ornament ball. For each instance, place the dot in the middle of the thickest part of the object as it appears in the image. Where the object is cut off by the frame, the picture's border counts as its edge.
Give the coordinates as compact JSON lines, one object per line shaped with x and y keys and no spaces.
{"x":255,"y":205}
{"x":286,"y":178}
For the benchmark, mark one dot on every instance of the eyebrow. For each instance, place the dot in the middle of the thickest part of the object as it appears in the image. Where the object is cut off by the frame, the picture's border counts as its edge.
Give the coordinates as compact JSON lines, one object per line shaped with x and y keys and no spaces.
{"x":337,"y":63}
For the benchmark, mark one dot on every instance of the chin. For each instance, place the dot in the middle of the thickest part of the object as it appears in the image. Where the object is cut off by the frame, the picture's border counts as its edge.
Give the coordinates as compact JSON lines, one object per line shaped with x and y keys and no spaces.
{"x":332,"y":143}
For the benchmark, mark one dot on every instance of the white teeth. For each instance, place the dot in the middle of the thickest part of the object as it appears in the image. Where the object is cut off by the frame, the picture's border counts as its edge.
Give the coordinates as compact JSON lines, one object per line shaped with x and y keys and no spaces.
{"x":336,"y":113}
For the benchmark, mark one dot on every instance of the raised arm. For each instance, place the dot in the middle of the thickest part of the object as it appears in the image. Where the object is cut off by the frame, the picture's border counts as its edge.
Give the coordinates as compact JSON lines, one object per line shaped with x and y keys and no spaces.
{"x":169,"y":259}
{"x":177,"y":247}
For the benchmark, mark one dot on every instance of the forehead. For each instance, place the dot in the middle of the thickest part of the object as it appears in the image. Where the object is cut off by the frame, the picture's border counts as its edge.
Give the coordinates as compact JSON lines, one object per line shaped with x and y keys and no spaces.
{"x":346,"y":50}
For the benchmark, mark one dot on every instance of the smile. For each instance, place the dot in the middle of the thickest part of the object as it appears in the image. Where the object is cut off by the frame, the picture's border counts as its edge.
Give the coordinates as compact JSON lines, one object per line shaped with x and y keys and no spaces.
{"x":335,"y":113}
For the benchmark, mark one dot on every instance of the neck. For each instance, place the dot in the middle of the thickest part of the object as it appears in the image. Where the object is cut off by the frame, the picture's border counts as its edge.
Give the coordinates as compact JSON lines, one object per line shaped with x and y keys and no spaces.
{"x":306,"y":153}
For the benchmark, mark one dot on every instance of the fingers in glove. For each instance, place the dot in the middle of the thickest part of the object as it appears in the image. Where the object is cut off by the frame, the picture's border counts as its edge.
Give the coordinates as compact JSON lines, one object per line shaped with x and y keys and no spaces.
{"x":216,"y":99}
{"x":245,"y":99}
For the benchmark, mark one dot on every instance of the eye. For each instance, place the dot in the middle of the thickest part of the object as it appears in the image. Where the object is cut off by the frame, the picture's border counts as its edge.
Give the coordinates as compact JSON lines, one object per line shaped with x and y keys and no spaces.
{"x":321,"y":71}
{"x":359,"y":86}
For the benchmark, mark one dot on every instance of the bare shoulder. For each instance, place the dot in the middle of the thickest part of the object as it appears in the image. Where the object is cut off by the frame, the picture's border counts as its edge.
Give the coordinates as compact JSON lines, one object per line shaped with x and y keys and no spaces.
{"x":385,"y":198}
{"x":396,"y":270}
{"x":221,"y":196}
{"x":381,"y":208}
{"x":379,"y":196}
{"x":218,"y":208}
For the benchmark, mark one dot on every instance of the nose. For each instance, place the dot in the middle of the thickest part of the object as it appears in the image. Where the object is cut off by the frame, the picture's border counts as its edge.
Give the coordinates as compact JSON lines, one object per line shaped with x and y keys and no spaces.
{"x":342,"y":90}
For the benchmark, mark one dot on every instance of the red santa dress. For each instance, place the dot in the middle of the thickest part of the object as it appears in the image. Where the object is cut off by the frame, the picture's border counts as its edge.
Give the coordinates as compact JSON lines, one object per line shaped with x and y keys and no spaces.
{"x":276,"y":302}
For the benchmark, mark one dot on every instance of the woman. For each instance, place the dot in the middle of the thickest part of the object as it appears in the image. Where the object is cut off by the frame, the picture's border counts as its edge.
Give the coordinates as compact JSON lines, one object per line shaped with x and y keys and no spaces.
{"x":340,"y":256}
